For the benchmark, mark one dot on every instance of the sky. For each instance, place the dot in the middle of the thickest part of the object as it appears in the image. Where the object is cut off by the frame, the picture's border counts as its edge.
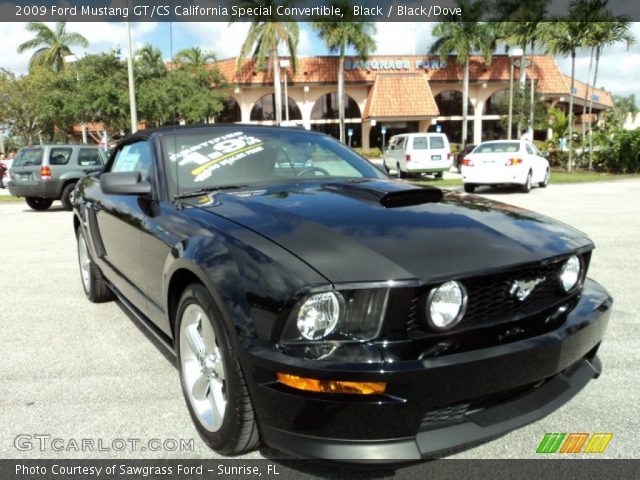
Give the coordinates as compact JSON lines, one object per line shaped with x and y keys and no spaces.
{"x":618,"y":66}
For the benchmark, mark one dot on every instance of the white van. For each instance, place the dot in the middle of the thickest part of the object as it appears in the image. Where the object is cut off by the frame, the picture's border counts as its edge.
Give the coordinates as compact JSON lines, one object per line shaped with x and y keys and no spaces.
{"x":411,"y":153}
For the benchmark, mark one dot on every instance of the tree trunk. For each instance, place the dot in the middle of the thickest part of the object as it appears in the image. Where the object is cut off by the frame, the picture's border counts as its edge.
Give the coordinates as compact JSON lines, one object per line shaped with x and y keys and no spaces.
{"x":586,"y":100}
{"x":532,"y":106}
{"x":341,"y":97}
{"x":573,"y":74}
{"x":595,"y":79}
{"x":277,"y":87}
{"x":465,"y":101}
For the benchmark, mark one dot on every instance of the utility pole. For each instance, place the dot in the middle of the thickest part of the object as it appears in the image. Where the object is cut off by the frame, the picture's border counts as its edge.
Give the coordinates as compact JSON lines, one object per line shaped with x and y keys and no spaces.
{"x":132,"y":84}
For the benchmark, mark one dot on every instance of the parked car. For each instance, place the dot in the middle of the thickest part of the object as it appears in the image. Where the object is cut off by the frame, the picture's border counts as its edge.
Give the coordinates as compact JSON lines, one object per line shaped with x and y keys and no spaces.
{"x":415,"y":153}
{"x":45,"y":173}
{"x":460,"y":156}
{"x":304,"y":294}
{"x":505,"y":162}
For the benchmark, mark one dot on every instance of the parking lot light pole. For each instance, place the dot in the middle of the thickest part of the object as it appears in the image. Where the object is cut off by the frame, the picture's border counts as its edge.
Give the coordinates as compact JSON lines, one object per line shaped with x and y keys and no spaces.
{"x":132,"y":84}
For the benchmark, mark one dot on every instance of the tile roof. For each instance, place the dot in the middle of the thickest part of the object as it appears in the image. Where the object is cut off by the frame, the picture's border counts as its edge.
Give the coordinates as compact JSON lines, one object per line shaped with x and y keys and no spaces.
{"x":323,"y":69}
{"x":388,"y":97}
{"x":598,"y":95}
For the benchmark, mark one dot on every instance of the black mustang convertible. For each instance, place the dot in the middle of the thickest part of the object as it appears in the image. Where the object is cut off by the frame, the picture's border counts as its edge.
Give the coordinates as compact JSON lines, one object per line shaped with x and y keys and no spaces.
{"x":316,"y":305}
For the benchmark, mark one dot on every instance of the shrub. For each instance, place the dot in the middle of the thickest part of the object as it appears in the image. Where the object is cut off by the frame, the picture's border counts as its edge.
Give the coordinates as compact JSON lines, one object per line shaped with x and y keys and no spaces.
{"x":369,"y":153}
{"x":622,"y":155}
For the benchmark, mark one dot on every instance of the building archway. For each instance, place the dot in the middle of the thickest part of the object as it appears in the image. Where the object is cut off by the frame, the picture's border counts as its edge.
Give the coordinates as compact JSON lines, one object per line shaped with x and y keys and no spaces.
{"x":326,"y":108}
{"x":450,"y":103}
{"x":265,"y":109}
{"x":325,"y":118}
{"x":230,"y":112}
{"x":495,"y":104}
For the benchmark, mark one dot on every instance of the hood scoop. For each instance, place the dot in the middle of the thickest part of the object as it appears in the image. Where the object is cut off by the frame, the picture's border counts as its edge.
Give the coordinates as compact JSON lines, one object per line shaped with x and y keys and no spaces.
{"x":388,"y":195}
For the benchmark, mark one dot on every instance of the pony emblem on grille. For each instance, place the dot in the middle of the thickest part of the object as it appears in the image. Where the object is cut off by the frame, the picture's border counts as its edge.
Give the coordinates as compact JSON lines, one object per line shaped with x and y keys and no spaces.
{"x":521,"y":289}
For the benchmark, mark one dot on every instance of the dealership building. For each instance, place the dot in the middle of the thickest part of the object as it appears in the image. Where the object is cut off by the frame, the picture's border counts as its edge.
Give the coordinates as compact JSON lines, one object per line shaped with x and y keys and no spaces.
{"x":397,"y":94}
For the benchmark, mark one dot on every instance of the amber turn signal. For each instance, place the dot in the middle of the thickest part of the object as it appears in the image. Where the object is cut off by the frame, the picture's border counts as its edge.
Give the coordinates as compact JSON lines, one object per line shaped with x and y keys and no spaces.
{"x":331,"y":386}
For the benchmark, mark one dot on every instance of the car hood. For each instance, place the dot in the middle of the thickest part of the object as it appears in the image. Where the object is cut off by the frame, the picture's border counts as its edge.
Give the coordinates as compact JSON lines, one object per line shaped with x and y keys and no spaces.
{"x":380,"y":230}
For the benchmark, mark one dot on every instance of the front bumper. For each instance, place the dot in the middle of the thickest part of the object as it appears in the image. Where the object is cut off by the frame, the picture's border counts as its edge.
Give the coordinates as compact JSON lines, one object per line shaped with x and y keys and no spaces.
{"x":431,"y":405}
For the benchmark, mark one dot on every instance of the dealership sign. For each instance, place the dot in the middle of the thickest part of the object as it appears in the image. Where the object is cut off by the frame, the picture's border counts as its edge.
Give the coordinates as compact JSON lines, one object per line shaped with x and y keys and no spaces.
{"x":399,"y":64}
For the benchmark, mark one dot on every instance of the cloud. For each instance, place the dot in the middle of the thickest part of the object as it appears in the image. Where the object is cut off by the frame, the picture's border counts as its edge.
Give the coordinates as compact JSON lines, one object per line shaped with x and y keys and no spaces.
{"x":222,"y":39}
{"x":403,"y":38}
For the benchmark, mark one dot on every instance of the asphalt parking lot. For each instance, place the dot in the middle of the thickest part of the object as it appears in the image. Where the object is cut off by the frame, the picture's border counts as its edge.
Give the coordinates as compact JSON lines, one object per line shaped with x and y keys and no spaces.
{"x":71,"y":369}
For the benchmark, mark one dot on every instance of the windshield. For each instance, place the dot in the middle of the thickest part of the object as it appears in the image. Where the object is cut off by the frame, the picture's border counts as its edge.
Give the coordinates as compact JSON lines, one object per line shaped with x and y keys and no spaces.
{"x":498,"y":147}
{"x":243,"y":155}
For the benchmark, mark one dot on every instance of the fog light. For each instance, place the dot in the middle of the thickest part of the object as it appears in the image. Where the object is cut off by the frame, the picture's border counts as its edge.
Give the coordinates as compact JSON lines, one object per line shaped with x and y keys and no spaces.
{"x":331,"y":386}
{"x":446,"y":305}
{"x":570,"y":274}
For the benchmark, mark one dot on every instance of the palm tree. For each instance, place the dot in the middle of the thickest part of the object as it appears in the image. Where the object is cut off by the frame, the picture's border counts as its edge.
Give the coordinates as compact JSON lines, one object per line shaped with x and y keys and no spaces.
{"x":464,"y":35}
{"x":564,"y":38}
{"x":602,"y":35}
{"x":194,"y":57}
{"x":149,"y":61}
{"x":52,"y":45}
{"x":266,"y":34}
{"x":520,"y":25}
{"x":338,"y":36}
{"x":622,"y":108}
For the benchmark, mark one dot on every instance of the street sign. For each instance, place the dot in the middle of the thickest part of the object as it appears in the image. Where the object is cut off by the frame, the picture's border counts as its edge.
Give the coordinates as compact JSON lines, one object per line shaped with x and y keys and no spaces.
{"x":439,"y":128}
{"x":350,"y":131}
{"x":384,"y":130}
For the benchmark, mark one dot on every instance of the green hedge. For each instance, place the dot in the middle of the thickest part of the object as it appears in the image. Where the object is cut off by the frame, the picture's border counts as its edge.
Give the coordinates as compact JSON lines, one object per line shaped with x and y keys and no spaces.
{"x":622,"y":154}
{"x":370,"y":153}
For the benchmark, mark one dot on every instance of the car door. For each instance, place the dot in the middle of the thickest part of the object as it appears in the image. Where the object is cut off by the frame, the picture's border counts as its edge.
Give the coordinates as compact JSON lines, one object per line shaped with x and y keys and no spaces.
{"x":118,"y":223}
{"x":533,"y":163}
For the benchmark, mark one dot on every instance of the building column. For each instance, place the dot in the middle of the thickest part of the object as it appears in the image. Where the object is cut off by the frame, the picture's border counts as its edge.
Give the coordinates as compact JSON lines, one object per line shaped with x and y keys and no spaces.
{"x":477,"y":122}
{"x":365,"y":131}
{"x":307,"y":107}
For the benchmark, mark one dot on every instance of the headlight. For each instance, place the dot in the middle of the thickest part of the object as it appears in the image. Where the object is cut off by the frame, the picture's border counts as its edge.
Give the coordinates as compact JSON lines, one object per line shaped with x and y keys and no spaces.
{"x":446,"y":305}
{"x":570,"y":274}
{"x":318,"y":315}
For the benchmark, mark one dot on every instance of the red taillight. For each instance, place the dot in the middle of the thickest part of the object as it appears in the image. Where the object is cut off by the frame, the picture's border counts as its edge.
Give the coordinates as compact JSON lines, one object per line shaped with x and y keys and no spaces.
{"x":467,"y":162}
{"x":513,"y":161}
{"x":45,"y":172}
{"x":408,"y":158}
{"x":449,"y":156}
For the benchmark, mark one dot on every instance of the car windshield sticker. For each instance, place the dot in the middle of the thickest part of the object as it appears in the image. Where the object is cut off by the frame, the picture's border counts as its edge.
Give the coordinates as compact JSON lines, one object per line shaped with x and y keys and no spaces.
{"x":217,"y":152}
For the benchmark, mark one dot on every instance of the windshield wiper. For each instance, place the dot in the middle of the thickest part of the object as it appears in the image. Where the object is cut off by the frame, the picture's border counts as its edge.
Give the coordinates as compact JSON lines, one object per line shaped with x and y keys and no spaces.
{"x":204,"y":191}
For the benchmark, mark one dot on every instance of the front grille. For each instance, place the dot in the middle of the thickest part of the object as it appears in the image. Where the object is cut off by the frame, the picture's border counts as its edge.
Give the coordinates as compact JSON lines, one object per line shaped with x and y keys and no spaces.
{"x":490,"y":301}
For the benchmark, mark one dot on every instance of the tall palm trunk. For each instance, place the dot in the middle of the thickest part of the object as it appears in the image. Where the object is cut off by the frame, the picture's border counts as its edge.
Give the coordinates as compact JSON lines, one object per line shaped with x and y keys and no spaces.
{"x":573,"y":74}
{"x":532,"y":100}
{"x":277,"y":87}
{"x":465,"y":101}
{"x":341,"y":95}
{"x":586,"y":100}
{"x":595,"y":79}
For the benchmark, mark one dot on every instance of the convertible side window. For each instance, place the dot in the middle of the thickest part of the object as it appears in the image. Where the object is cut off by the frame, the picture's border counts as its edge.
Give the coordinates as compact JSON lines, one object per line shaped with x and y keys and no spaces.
{"x":134,"y":157}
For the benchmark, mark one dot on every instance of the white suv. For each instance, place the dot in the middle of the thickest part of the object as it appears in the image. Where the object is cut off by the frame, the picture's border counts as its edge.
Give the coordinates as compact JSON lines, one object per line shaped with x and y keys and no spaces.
{"x":411,"y":153}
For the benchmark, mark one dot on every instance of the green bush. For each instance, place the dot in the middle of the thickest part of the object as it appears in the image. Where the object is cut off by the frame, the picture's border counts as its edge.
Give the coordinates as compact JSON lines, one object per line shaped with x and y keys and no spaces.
{"x":622,"y":155}
{"x":369,"y":153}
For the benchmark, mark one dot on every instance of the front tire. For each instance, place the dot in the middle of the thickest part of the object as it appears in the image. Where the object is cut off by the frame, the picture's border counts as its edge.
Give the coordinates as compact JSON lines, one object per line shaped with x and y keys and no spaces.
{"x":66,"y":196}
{"x":212,"y":381}
{"x":39,"y":204}
{"x":94,"y":284}
{"x":526,"y":188}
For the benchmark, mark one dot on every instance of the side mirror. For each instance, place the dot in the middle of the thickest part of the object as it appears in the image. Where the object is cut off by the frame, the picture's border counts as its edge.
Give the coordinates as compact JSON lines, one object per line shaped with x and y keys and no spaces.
{"x":124,"y":183}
